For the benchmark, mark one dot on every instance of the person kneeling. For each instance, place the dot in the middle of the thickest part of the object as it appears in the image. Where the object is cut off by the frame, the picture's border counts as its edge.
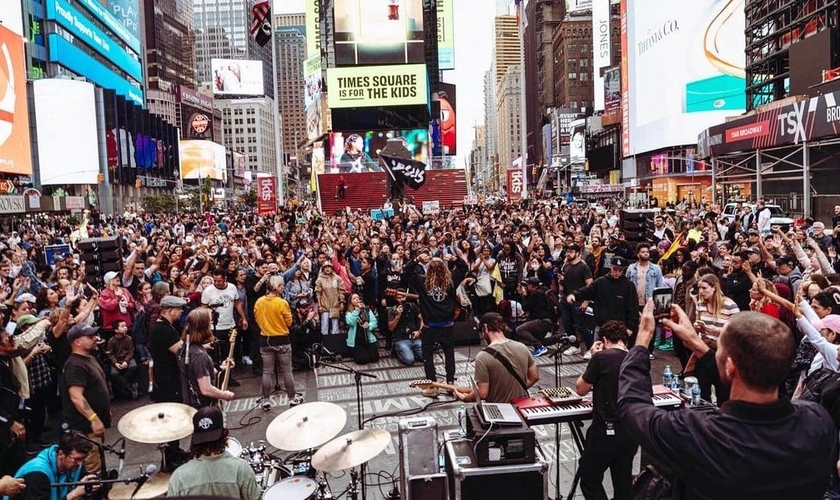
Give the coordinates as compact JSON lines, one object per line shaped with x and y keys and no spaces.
{"x":406,"y":323}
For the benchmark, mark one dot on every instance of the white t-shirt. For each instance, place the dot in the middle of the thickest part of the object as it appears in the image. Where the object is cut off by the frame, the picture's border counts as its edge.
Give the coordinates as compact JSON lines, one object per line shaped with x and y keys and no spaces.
{"x":226,"y":298}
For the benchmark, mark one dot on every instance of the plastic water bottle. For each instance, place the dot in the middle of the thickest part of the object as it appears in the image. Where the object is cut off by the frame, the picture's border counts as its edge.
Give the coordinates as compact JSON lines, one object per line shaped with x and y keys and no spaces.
{"x":675,"y":383}
{"x":667,"y":376}
{"x":695,"y":395}
{"x":462,"y":420}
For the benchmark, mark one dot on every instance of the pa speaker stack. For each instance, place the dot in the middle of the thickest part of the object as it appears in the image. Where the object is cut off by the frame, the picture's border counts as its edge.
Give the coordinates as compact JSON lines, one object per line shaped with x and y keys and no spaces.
{"x":637,"y":225}
{"x":100,"y":255}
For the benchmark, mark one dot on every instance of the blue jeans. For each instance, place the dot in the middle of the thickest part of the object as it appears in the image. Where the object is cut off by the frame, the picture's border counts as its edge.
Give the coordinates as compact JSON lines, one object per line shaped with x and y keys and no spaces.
{"x":408,"y":350}
{"x":573,"y":322}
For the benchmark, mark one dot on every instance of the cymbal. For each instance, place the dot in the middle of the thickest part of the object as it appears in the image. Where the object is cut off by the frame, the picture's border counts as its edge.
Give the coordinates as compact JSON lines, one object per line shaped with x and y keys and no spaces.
{"x":350,"y":450}
{"x":155,"y":486}
{"x":157,"y":423}
{"x":306,"y":426}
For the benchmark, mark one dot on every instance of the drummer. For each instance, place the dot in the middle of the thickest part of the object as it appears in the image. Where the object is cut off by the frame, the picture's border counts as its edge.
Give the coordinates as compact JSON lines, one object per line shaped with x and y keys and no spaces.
{"x":61,"y":463}
{"x":212,"y":471}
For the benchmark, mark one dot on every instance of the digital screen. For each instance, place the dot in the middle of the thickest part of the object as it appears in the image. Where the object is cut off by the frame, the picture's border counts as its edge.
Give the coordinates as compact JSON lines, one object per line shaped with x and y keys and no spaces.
{"x":354,"y":152}
{"x":378,"y":32}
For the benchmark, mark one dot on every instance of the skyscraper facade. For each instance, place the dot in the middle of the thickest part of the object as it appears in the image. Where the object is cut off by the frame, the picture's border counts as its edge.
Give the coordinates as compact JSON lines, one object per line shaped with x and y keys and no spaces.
{"x":290,"y":36}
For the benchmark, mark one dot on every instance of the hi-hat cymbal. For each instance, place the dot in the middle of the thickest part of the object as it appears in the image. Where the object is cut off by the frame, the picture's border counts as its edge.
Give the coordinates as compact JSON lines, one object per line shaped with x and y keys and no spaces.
{"x":306,"y":426}
{"x":154,"y":487}
{"x":157,"y":423}
{"x":350,"y":450}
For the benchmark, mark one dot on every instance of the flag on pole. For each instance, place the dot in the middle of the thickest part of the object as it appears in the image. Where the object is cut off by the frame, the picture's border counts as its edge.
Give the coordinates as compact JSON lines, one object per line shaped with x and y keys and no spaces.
{"x":405,"y":170}
{"x":261,"y":22}
{"x":678,"y":241}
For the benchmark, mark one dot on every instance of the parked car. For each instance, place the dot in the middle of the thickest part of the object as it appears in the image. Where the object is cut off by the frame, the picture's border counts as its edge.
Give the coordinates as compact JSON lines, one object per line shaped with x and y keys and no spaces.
{"x":778,"y":217}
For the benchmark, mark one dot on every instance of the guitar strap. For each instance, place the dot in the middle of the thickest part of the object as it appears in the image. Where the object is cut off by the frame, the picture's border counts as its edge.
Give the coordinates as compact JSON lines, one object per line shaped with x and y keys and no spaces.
{"x":507,"y":364}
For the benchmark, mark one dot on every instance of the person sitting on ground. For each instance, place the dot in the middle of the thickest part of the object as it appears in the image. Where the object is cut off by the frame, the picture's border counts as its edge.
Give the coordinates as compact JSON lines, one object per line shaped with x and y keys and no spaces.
{"x":120,"y":352}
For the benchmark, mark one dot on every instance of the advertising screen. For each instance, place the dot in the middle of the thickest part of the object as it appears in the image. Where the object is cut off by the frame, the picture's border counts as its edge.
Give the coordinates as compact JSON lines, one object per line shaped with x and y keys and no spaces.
{"x":98,"y":9}
{"x":612,"y":90}
{"x":577,"y":144}
{"x":685,"y":69}
{"x":446,"y":34}
{"x":128,"y":13}
{"x":384,"y":32}
{"x":578,"y":6}
{"x":448,"y":122}
{"x":200,"y":159}
{"x":313,"y":27}
{"x":15,"y":156}
{"x":237,"y":77}
{"x":313,"y":96}
{"x":67,"y":155}
{"x":354,"y":152}
{"x":266,"y":195}
{"x":373,"y":86}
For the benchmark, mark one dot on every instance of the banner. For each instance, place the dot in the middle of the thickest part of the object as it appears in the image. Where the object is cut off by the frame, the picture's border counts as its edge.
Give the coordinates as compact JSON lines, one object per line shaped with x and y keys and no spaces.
{"x":446,"y":34}
{"x":266,"y":195}
{"x":237,"y":77}
{"x":409,"y":172}
{"x":313,"y":27}
{"x":612,"y":91}
{"x":128,"y":13}
{"x":15,"y":154}
{"x":515,"y":184}
{"x":261,"y":24}
{"x":313,"y":96}
{"x":377,"y":86}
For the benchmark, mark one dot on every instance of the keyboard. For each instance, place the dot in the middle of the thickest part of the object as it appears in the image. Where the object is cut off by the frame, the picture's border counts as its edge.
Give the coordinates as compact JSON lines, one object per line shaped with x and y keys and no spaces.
{"x":492,"y":412}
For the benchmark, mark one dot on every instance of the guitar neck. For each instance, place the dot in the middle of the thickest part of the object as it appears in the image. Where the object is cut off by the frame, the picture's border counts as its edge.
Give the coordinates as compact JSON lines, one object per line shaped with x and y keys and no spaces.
{"x":466,"y":390}
{"x":226,"y":379}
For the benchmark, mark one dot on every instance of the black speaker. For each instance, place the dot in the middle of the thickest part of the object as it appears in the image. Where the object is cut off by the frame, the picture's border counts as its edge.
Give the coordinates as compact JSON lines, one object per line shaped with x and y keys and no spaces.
{"x":93,"y":245}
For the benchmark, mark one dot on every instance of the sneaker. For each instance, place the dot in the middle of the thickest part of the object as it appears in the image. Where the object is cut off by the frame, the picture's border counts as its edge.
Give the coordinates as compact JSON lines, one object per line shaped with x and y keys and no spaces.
{"x":135,"y":393}
{"x":652,"y":357}
{"x":266,"y":405}
{"x":247,"y":361}
{"x":539,"y":351}
{"x":431,"y":392}
{"x":151,"y":387}
{"x":571,"y":351}
{"x":298,"y":399}
{"x":587,"y":356}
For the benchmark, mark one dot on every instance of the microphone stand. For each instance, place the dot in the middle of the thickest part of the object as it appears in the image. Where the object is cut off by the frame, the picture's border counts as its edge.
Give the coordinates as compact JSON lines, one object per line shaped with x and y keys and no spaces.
{"x":98,"y":482}
{"x":558,"y":379}
{"x":102,"y":448}
{"x":357,"y":374}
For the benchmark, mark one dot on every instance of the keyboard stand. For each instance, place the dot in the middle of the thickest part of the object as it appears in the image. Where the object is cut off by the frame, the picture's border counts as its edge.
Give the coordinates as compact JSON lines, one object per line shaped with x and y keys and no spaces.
{"x":576,"y":429}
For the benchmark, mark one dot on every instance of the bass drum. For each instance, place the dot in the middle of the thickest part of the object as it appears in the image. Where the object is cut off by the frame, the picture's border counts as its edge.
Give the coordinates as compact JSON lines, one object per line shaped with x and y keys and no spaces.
{"x":270,"y":474}
{"x":293,"y":488}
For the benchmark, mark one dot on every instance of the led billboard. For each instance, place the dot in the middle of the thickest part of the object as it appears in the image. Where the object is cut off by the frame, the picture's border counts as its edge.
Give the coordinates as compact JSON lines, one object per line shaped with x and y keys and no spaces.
{"x":684,"y":69}
{"x":127,"y":12}
{"x":371,"y":86}
{"x":354,"y":152}
{"x":237,"y":77}
{"x":577,"y":144}
{"x":99,"y":11}
{"x":446,"y":34}
{"x":385,"y":32}
{"x":612,"y":90}
{"x":313,"y":96}
{"x":200,"y":159}
{"x":15,"y":155}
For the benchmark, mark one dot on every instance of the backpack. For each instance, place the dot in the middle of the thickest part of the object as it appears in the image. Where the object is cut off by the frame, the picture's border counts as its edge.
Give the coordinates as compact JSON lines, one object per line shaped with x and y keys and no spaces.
{"x":140,"y":328}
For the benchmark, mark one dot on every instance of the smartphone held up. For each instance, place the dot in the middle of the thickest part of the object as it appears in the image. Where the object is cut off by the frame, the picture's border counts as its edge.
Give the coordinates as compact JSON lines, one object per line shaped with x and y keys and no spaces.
{"x":662,"y":299}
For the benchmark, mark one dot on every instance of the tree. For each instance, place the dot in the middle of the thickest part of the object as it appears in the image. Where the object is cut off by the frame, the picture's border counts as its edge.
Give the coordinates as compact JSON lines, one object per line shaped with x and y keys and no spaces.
{"x":158,"y":204}
{"x":249,"y":198}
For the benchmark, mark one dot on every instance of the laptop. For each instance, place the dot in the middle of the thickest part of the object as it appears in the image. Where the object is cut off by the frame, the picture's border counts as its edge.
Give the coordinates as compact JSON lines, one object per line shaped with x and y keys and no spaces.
{"x":499,"y":414}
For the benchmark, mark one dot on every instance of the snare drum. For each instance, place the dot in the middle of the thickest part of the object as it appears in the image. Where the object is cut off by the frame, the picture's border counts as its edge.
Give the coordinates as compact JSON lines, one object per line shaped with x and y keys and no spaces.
{"x":293,"y":488}
{"x":234,"y":447}
{"x":270,"y":474}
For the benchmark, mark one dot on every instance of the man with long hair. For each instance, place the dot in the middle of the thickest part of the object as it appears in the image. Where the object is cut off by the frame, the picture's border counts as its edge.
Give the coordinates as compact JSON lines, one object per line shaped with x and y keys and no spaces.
{"x":212,"y":471}
{"x":436,"y":292}
{"x":196,"y":365}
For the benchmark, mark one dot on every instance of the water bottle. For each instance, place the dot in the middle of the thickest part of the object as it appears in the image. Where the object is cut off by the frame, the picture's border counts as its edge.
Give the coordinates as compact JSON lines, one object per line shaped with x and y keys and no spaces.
{"x":462,"y":420}
{"x":695,"y":395}
{"x":666,"y":376}
{"x":675,"y":383}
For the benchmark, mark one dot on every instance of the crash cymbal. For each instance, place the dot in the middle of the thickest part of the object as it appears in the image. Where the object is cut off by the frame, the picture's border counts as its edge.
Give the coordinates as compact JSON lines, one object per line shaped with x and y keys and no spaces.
{"x":154,"y":487}
{"x":306,"y":426}
{"x":157,"y":423}
{"x":350,"y":450}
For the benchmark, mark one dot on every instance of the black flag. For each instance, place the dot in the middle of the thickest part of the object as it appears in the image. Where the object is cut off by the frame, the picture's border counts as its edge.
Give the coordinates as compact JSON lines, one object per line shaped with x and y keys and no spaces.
{"x":405,"y":170}
{"x":261,"y":22}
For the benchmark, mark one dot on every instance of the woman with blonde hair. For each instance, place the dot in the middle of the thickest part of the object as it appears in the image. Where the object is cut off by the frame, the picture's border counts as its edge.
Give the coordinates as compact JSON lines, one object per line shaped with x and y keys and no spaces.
{"x":195,"y":364}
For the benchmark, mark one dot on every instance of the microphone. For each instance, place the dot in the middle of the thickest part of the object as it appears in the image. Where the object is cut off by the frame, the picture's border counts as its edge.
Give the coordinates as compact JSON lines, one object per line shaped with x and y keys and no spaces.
{"x":121,"y":454}
{"x":65,"y":428}
{"x":150,"y":471}
{"x":564,"y":341}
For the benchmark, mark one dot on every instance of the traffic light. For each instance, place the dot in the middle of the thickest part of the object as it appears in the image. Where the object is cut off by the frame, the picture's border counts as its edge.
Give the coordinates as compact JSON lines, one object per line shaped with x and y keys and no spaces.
{"x":100,"y":178}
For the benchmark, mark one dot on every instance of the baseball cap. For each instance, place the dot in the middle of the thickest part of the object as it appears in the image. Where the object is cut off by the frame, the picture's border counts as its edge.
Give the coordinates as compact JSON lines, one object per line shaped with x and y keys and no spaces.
{"x":423,"y":250}
{"x":26,"y":320}
{"x":79,"y":331}
{"x":831,"y":322}
{"x":24,"y":297}
{"x":618,"y":262}
{"x":531,"y":280}
{"x":304,"y":303}
{"x":208,"y":425}
{"x":109,"y":276}
{"x":787,"y":259}
{"x":614,"y":236}
{"x":573,"y":246}
{"x":753,"y":250}
{"x":171,"y":301}
{"x":753,"y":232}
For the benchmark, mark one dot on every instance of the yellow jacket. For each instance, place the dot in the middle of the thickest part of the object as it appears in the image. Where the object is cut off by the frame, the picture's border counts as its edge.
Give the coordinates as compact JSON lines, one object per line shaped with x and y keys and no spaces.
{"x":273,"y":315}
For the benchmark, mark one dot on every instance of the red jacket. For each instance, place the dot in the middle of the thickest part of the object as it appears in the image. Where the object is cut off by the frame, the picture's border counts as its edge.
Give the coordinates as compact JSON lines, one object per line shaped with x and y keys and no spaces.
{"x":109,"y":305}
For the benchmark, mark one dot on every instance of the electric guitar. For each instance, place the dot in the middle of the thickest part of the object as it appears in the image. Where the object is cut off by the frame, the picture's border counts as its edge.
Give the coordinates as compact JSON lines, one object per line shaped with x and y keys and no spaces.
{"x":428,"y":384}
{"x":226,"y":379}
{"x":393,"y":292}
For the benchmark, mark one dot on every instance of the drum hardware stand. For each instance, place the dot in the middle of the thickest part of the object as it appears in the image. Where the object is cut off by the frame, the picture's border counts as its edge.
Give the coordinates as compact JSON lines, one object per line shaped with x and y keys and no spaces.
{"x":360,"y":420}
{"x":574,"y":428}
{"x":89,"y":493}
{"x":102,"y":448}
{"x":353,"y":490}
{"x":323,"y":493}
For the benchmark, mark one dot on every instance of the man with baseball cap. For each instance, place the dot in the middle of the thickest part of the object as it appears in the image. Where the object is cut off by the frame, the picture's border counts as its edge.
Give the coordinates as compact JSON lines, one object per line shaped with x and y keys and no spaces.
{"x":212,"y":472}
{"x":85,"y":400}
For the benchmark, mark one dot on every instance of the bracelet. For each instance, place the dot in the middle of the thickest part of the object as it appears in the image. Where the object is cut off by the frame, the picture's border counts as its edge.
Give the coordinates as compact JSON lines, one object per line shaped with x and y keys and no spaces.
{"x":93,"y":416}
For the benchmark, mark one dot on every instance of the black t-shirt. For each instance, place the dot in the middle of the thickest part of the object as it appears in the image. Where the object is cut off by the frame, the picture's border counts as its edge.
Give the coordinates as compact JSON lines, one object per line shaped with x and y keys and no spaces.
{"x":201,"y":365}
{"x":85,"y":371}
{"x":167,"y":379}
{"x":602,"y":373}
{"x":409,"y":321}
{"x":575,"y":276}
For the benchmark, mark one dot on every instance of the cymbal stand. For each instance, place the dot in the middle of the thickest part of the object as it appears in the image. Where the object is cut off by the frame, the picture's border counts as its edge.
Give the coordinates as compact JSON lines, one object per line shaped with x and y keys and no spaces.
{"x":353,"y":491}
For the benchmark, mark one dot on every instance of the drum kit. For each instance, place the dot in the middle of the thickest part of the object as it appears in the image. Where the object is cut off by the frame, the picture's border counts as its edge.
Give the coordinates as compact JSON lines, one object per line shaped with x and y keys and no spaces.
{"x":308,"y":429}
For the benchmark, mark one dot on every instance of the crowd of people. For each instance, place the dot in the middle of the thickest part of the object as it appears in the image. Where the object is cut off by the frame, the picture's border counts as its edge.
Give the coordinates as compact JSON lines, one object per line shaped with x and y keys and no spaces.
{"x":202,"y":293}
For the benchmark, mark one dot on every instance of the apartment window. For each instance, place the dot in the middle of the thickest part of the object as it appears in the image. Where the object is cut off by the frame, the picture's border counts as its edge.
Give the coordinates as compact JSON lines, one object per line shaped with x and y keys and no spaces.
{"x":572,"y":76}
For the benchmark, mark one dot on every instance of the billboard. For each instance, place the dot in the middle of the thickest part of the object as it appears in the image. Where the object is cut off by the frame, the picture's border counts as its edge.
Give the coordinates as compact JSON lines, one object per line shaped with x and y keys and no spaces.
{"x":354,"y":152}
{"x":99,"y":11}
{"x":577,"y":143}
{"x":612,"y":90}
{"x":67,"y":154}
{"x":11,"y":15}
{"x":313,"y":96}
{"x":515,"y":184}
{"x":127,"y":12}
{"x":237,"y":77}
{"x":447,"y":122}
{"x":375,"y":86}
{"x":186,"y":95}
{"x":266,"y":195}
{"x":446,"y":34}
{"x":15,"y":156}
{"x":373,"y":33}
{"x":578,"y":6}
{"x":200,"y":159}
{"x":313,"y":27}
{"x":685,"y":69}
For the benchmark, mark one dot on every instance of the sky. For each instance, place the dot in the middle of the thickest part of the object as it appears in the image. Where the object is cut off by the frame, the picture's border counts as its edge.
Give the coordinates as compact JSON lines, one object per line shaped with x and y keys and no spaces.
{"x":473,"y":50}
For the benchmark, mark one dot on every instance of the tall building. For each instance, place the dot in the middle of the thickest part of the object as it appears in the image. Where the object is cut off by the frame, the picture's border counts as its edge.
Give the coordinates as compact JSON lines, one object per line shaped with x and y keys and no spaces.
{"x":490,"y":156}
{"x":290,"y":36}
{"x":506,"y":46}
{"x":249,"y":130}
{"x":170,"y":39}
{"x":222,"y":31}
{"x":572,"y":48}
{"x":509,"y":118}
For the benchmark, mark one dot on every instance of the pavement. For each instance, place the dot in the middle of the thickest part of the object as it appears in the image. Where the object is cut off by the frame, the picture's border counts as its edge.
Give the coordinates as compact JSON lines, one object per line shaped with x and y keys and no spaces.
{"x":387,"y":399}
